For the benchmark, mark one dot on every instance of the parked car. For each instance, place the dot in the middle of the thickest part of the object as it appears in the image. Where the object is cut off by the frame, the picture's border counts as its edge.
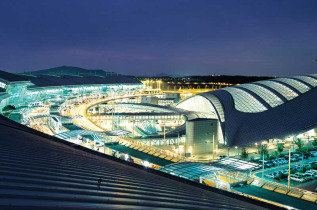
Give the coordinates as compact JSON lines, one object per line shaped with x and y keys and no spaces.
{"x":257,"y":167}
{"x":267,"y":164}
{"x":312,"y":171}
{"x":285,"y":171}
{"x":283,"y":161}
{"x":279,"y":161}
{"x":297,"y":178}
{"x":314,"y":154}
{"x":271,"y":176}
{"x":293,"y":158}
{"x":304,"y":176}
{"x":310,"y":174}
{"x":222,"y":157}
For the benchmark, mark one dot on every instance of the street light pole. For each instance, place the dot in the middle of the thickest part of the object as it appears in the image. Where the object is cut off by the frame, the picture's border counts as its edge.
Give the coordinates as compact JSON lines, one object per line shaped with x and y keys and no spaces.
{"x":293,"y":143}
{"x":164,"y":137}
{"x":178,"y":142}
{"x":133,"y":126}
{"x":289,"y":169}
{"x":262,"y":162}
{"x":213,"y":147}
{"x":112,"y":119}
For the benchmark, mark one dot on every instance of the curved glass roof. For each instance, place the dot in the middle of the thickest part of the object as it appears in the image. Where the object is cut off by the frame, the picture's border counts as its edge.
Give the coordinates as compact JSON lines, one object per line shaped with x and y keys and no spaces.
{"x":218,"y":106}
{"x":72,"y":133}
{"x":198,"y":104}
{"x":312,"y":76}
{"x":268,"y":96}
{"x":301,"y":87}
{"x":244,"y":101}
{"x":309,"y":80}
{"x":281,"y":89}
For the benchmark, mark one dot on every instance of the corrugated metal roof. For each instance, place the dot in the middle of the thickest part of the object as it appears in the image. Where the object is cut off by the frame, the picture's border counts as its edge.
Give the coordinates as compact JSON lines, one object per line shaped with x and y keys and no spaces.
{"x":39,"y":173}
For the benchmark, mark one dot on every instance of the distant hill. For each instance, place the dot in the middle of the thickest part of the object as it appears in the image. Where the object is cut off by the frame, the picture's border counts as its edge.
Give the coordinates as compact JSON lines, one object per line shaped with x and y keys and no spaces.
{"x":71,"y":70}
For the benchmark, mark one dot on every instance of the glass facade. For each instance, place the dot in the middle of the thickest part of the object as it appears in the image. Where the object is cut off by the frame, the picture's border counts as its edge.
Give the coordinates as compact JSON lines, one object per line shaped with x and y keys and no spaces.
{"x":272,"y":99}
{"x":309,"y":80}
{"x":245,"y":102}
{"x":281,"y":89}
{"x":301,"y":87}
{"x":189,"y":170}
{"x":218,"y":106}
{"x":198,"y":104}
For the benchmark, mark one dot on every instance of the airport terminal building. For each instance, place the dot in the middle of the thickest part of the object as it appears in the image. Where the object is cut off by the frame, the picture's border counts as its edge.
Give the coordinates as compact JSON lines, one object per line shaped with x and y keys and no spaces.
{"x":42,"y":170}
{"x":253,"y":112}
{"x":23,"y":89}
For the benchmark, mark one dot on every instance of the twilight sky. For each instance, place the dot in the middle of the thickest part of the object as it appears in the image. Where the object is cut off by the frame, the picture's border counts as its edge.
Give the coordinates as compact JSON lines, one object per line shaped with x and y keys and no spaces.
{"x":235,"y":37}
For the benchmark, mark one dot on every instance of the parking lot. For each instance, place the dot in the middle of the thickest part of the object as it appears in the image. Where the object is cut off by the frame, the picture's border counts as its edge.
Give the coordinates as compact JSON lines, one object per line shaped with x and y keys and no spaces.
{"x":303,"y":171}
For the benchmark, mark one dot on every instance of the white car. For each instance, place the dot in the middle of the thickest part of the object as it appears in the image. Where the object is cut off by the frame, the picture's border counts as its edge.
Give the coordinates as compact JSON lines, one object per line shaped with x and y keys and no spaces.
{"x":269,"y":176}
{"x":297,"y":178}
{"x":312,"y":171}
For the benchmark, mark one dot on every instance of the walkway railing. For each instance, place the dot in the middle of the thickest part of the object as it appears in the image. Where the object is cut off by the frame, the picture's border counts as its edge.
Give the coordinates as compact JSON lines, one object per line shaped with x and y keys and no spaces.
{"x":156,"y":150}
{"x":281,"y":188}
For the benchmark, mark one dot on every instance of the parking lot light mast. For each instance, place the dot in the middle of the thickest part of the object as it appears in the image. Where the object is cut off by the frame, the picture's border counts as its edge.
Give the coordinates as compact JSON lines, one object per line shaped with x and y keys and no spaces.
{"x":164,"y":140}
{"x":178,"y":142}
{"x":213,"y":147}
{"x":293,"y":143}
{"x":262,"y":164}
{"x":278,"y":167}
{"x":302,"y":161}
{"x":289,"y":168}
{"x":262,"y":150}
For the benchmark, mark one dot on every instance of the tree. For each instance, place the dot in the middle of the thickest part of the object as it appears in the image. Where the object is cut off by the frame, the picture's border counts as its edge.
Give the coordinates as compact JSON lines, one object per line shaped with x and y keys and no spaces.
{"x":8,"y":108}
{"x":263,"y":148}
{"x":299,"y":142}
{"x":280,"y":148}
{"x":275,"y":154}
{"x":244,"y":153}
{"x":314,"y":142}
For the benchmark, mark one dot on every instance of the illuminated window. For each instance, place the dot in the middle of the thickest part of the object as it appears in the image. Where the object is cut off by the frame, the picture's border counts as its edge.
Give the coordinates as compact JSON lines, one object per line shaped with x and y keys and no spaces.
{"x":244,"y":101}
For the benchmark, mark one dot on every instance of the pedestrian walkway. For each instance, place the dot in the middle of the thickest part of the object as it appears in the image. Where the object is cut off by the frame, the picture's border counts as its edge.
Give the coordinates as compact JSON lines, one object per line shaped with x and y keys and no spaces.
{"x":141,"y":155}
{"x":276,"y":197}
